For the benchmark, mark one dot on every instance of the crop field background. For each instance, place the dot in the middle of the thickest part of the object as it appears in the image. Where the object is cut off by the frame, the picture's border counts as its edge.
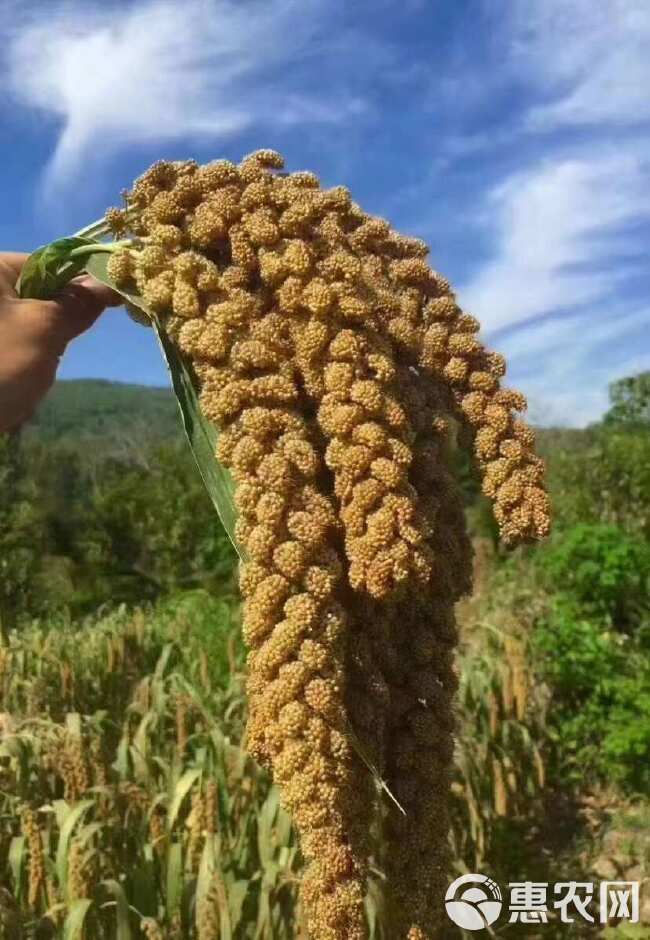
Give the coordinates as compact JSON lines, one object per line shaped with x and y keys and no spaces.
{"x":128,"y":806}
{"x":383,"y":267}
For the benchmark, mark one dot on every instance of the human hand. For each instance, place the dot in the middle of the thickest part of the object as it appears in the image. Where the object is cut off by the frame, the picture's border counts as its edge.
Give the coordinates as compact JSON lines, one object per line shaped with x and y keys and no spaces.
{"x":35,"y":333}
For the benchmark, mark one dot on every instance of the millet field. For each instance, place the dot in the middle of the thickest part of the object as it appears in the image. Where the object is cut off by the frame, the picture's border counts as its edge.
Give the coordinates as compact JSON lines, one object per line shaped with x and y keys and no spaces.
{"x":414,"y":643}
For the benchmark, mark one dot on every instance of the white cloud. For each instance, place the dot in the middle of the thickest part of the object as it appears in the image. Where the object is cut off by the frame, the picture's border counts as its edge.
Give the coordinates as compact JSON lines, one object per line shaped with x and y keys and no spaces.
{"x":564,"y":364}
{"x":569,"y":225}
{"x":568,"y":396}
{"x":556,"y":227}
{"x":591,"y":60}
{"x":557,"y":286}
{"x":167,"y":69}
{"x":555,"y":336}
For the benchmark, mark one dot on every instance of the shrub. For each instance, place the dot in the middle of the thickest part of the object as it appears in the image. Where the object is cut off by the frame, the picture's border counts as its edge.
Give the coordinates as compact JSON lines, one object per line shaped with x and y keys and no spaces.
{"x":605,"y":571}
{"x":600,"y":692}
{"x":630,"y":398}
{"x":603,"y":476}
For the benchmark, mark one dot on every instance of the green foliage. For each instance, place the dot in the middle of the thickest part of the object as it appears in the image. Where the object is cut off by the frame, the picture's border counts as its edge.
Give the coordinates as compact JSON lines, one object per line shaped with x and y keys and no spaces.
{"x":600,"y":689}
{"x":630,"y":399}
{"x":49,"y":268}
{"x":120,"y":731}
{"x":125,"y":747}
{"x":107,"y":412}
{"x":627,"y":932}
{"x":151,"y":529}
{"x":584,"y":600}
{"x":602,"y":475}
{"x":127,"y":516}
{"x":122,"y":521}
{"x":19,"y":535}
{"x":212,"y":625}
{"x":605,"y":570}
{"x":592,"y":647}
{"x":500,"y":736}
{"x":120,"y":515}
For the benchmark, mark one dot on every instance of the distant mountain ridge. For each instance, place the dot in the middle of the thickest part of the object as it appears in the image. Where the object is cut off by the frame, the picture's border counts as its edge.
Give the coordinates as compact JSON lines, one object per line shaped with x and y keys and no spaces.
{"x":98,"y":411}
{"x":80,"y":409}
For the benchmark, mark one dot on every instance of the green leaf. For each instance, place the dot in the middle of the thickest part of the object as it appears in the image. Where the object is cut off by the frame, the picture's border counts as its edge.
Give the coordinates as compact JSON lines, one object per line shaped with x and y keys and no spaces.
{"x":175,"y":879}
{"x":161,"y":665}
{"x":201,"y":434}
{"x":73,"y":816}
{"x":123,"y":927}
{"x":49,"y":268}
{"x":17,"y":859}
{"x":237,"y":892}
{"x":202,"y":437}
{"x":121,"y":763}
{"x":181,"y":790}
{"x":140,"y":748}
{"x":75,"y":920}
{"x":207,"y":867}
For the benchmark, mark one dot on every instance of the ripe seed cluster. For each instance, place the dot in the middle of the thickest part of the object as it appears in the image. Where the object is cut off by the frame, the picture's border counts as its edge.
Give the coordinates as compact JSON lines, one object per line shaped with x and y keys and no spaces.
{"x":32,"y":834}
{"x":331,"y":358}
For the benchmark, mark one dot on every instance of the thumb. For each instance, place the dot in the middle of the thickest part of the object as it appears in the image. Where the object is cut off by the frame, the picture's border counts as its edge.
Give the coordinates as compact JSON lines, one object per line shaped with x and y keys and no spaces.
{"x":81,"y":302}
{"x":11,"y":264}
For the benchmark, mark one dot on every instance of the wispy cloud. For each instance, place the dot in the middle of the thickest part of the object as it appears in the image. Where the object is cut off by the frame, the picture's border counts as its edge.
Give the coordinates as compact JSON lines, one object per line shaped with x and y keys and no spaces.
{"x":554,"y":339}
{"x":169,"y":69}
{"x":565,"y":364}
{"x":563,"y":223}
{"x":557,"y":228}
{"x":591,"y":61}
{"x":511,"y":133}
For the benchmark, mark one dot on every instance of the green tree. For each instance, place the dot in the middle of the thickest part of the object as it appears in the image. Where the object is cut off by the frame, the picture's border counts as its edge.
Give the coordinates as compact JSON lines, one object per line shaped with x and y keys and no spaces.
{"x":604,"y":570}
{"x":605,"y":478}
{"x":599,"y":682}
{"x":20,"y":537}
{"x":630,"y":398}
{"x":151,"y":529}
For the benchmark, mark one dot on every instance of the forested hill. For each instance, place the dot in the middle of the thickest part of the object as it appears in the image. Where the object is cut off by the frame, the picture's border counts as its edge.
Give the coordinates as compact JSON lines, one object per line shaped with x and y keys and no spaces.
{"x":96,"y":408}
{"x":103,"y":411}
{"x":101,"y":495}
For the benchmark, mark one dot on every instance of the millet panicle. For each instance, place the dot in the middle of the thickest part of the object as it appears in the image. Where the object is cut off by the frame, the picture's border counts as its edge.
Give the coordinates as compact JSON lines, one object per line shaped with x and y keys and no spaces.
{"x":335,"y":363}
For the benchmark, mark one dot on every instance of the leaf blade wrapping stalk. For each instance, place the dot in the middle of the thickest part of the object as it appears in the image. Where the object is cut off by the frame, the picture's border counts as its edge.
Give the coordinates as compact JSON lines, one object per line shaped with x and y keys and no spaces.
{"x":200,"y":433}
{"x":51,"y":267}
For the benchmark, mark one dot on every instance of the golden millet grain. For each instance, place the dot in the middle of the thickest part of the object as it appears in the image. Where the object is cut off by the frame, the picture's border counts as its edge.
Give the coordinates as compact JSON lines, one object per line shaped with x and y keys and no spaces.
{"x":152,"y":929}
{"x":116,"y":220}
{"x":334,"y":361}
{"x":120,"y":267}
{"x":31,"y":830}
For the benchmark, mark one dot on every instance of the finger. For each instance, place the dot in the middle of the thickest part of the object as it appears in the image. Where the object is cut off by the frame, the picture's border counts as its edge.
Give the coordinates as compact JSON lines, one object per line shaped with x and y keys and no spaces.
{"x":51,"y":324}
{"x":11,"y":264}
{"x":106,"y":295}
{"x":79,"y":305}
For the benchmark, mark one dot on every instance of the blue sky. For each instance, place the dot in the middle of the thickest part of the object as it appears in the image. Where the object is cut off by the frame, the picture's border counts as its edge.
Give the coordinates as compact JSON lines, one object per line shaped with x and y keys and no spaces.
{"x":511,"y":134}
